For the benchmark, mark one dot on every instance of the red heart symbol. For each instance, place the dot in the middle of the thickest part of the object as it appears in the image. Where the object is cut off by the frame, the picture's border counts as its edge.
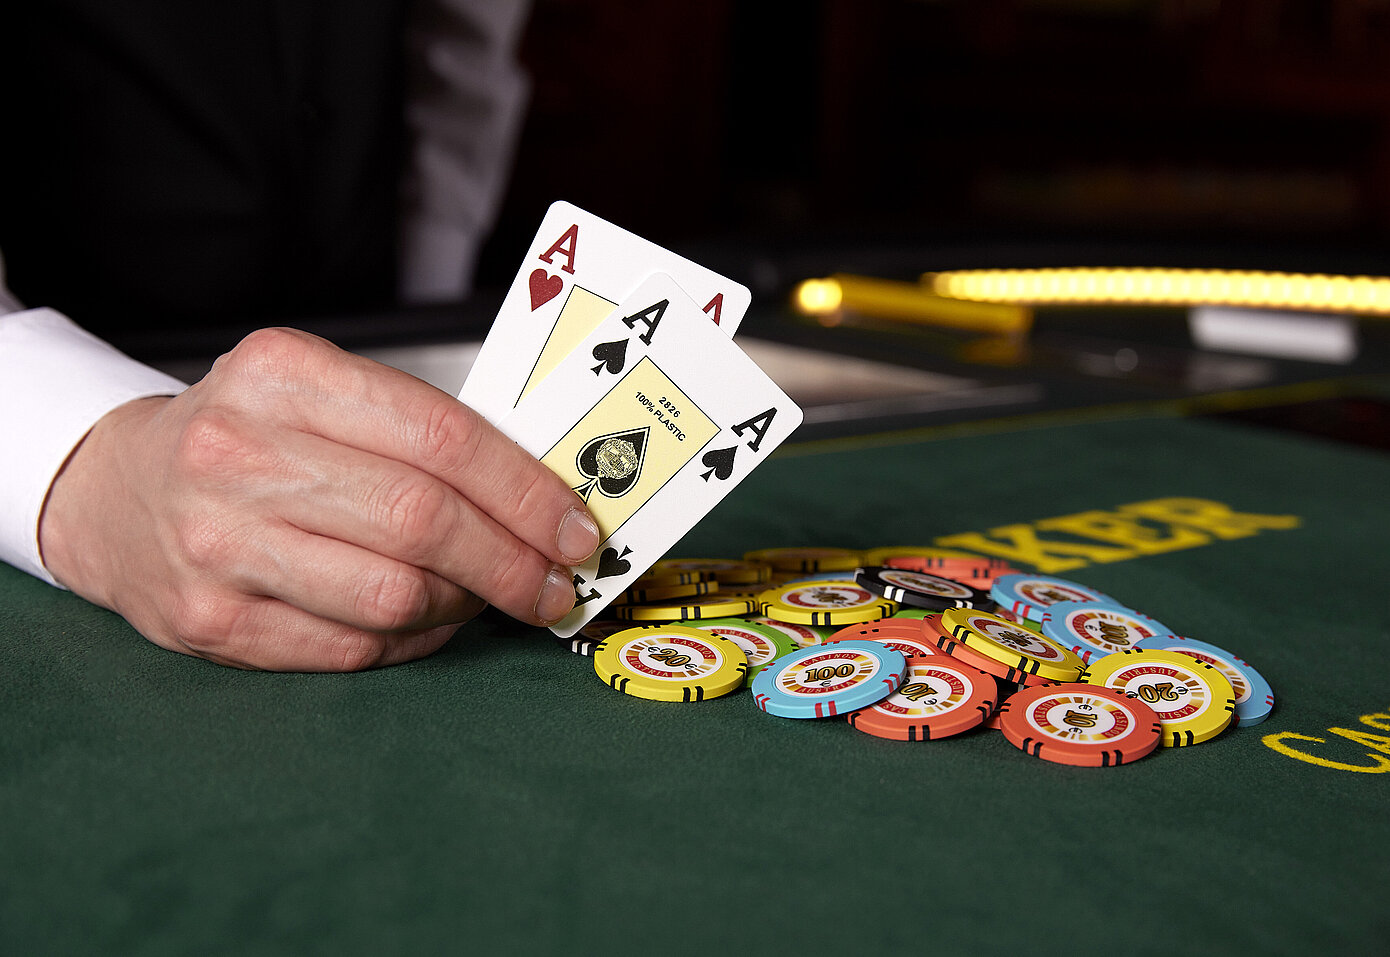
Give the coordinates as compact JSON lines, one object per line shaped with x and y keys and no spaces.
{"x":544,"y":287}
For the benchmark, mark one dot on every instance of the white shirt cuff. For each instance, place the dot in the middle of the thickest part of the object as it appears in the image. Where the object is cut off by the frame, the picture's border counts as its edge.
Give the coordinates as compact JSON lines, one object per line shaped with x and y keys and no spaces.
{"x":56,"y":381}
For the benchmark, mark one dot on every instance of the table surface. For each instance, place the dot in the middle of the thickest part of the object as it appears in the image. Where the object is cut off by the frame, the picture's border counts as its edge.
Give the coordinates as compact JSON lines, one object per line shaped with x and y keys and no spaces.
{"x":498,"y":796}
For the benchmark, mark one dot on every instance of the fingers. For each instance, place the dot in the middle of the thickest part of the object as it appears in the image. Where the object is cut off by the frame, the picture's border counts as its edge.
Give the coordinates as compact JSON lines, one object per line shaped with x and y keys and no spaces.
{"x":375,"y":409}
{"x":305,"y":509}
{"x":360,"y":539}
{"x":343,"y":583}
{"x":269,"y":635}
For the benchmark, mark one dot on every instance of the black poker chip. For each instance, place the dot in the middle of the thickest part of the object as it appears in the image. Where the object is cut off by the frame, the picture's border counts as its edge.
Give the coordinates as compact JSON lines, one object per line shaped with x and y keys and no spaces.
{"x":920,"y":589}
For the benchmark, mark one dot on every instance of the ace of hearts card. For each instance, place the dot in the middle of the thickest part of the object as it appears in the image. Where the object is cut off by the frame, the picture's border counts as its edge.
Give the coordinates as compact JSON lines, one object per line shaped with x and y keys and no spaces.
{"x":577,"y":269}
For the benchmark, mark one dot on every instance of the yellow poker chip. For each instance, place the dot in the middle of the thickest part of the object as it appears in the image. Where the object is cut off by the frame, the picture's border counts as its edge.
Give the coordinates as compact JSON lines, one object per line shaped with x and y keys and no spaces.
{"x":670,"y":663}
{"x":1004,"y":641}
{"x":1194,"y":701}
{"x":658,"y":593}
{"x":704,"y":606}
{"x":726,"y":571}
{"x":806,"y":559}
{"x":655,"y":577}
{"x":830,"y":602}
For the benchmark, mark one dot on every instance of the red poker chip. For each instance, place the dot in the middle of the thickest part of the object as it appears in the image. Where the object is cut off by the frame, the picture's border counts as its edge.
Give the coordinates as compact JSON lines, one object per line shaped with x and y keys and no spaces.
{"x":939,"y":697}
{"x":959,"y":569}
{"x":905,"y":634}
{"x":1079,"y":724}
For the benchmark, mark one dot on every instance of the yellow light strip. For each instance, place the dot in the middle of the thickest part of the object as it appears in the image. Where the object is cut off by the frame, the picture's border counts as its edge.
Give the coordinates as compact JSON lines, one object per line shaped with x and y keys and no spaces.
{"x":914,"y":302}
{"x":1368,"y":295}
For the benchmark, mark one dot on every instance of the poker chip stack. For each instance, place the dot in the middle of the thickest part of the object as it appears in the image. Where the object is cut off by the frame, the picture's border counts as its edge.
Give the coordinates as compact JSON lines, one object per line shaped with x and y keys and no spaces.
{"x":918,"y":644}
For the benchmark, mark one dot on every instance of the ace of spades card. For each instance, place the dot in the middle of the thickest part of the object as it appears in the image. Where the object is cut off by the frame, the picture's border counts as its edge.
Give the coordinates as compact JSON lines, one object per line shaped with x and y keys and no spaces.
{"x":578,"y":268}
{"x":652,"y":420}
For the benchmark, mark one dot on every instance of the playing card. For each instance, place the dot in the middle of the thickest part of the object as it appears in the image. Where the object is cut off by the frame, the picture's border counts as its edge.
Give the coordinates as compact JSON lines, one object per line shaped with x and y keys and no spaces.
{"x":652,"y":419}
{"x":578,"y":268}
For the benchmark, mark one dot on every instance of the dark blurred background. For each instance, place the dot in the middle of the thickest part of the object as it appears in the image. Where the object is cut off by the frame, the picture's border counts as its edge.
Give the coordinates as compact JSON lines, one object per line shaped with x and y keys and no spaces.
{"x":1242,"y":133}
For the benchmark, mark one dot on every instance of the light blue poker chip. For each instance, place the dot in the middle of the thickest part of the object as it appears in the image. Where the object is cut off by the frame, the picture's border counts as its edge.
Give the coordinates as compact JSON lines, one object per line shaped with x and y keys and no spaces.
{"x":1026,"y":595}
{"x":1254,"y":697}
{"x":1093,"y":629}
{"x":827,"y":680}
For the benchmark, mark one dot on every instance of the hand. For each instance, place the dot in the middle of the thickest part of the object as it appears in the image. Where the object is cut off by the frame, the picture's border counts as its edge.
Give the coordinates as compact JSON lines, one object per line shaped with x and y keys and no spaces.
{"x":305,"y":509}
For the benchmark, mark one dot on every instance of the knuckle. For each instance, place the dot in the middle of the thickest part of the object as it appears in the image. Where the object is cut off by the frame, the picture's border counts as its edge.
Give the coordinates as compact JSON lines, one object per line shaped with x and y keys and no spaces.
{"x":449,"y":430}
{"x":273,"y":353}
{"x":205,"y":542}
{"x":355,"y":651}
{"x":514,"y":575}
{"x":393,"y":599}
{"x":211,"y":442}
{"x":411,"y":510}
{"x":534,"y":494}
{"x":203,"y":621}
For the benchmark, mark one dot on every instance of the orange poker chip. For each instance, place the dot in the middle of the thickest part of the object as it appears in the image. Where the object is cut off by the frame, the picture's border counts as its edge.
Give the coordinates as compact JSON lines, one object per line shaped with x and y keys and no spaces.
{"x":1080,"y":724}
{"x":939,"y":697}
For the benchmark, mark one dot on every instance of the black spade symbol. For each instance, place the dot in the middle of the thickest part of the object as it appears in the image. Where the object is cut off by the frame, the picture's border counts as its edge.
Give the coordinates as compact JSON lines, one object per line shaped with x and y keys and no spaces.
{"x":610,"y":354}
{"x":611,"y":563}
{"x":612,"y":463}
{"x":720,"y":462}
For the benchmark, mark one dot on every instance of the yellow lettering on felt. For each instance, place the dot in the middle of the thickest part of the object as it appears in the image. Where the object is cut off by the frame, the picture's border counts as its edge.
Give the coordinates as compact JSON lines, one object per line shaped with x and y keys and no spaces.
{"x":1378,"y":741}
{"x":1023,"y":545}
{"x":1379,"y":720}
{"x":1124,"y":530}
{"x":623,"y":409}
{"x":1276,"y":742}
{"x":580,"y":315}
{"x":1208,"y":516}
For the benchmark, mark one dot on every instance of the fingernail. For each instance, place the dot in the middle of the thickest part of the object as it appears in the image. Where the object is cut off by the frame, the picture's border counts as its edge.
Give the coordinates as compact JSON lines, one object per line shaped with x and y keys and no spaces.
{"x":557,"y":595}
{"x":578,"y":536}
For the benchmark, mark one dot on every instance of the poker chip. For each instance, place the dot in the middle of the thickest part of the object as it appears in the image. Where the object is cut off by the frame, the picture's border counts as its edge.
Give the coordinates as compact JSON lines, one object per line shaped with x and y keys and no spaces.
{"x":802,"y":636}
{"x":975,"y":566}
{"x":939,"y":697}
{"x":884,"y":555}
{"x":919,"y":589}
{"x":1093,"y":629}
{"x":1192,"y":698}
{"x":836,"y":576}
{"x":670,"y":663}
{"x":1254,"y":697}
{"x":1080,"y":724}
{"x":705,"y":606}
{"x":656,"y":578}
{"x":761,"y":645}
{"x":1026,"y":595}
{"x":947,"y":644}
{"x":665,"y":593}
{"x":824,"y":603}
{"x":904,"y":648}
{"x":726,"y":571}
{"x":806,"y":559}
{"x":1005,"y":641}
{"x":1019,"y":620}
{"x":956,"y":568}
{"x":904,"y":634}
{"x":826,"y":680}
{"x":584,"y":640}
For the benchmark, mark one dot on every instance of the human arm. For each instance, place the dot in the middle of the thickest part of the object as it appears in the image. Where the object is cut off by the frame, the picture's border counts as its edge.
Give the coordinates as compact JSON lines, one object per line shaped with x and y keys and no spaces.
{"x":305,"y":509}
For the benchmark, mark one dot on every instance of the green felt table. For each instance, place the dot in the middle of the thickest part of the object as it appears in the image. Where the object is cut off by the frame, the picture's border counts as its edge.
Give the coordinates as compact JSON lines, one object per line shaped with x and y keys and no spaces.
{"x":499,"y":798}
